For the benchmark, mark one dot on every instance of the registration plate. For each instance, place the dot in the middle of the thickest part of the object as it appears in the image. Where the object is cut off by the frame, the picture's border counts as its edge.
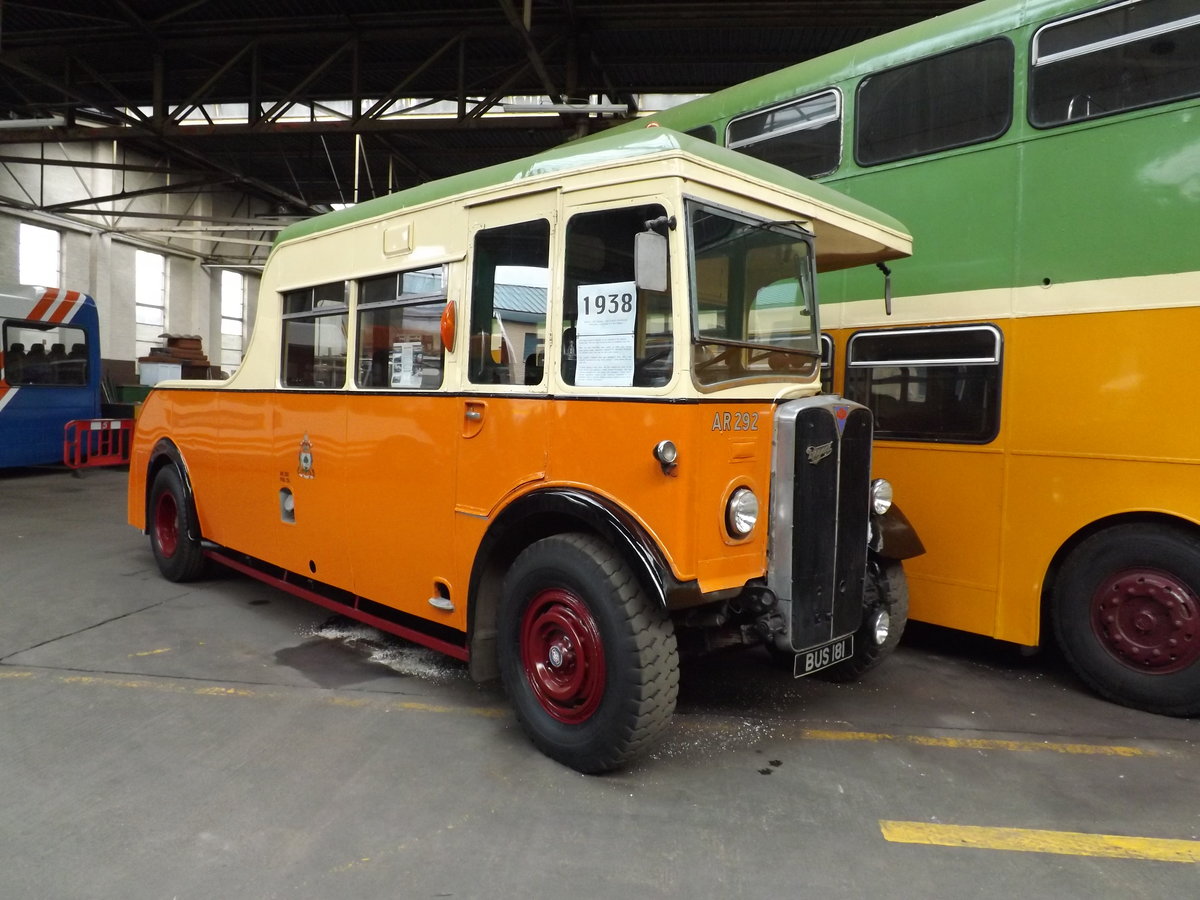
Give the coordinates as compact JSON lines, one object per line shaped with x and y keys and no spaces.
{"x":814,"y":659}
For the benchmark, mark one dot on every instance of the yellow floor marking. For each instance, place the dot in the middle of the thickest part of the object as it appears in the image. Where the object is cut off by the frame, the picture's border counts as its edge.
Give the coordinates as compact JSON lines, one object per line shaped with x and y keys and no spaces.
{"x":817,"y":734}
{"x":151,"y":652}
{"x":171,"y":687}
{"x":1069,"y":843}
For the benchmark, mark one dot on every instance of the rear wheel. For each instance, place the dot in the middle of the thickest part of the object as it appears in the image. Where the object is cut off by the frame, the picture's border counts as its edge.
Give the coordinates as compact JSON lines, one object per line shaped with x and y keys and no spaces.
{"x":1126,"y":610}
{"x":885,"y":595}
{"x":174,"y":532}
{"x":589,"y":662}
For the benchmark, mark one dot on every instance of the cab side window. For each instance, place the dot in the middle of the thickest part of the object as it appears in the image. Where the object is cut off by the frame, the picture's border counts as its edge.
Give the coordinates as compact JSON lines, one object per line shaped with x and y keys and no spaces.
{"x":399,"y":334}
{"x":509,"y":282}
{"x":614,"y":334}
{"x":315,"y":320}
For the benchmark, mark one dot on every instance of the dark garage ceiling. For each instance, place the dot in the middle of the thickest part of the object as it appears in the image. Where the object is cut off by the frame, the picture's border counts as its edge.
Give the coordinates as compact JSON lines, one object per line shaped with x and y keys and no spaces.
{"x":133,"y":70}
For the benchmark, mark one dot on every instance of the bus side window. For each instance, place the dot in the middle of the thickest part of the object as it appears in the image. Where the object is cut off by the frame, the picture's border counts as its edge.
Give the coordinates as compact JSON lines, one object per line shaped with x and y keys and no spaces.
{"x":802,"y":135}
{"x":1123,"y":57}
{"x":315,"y":320}
{"x":928,"y":384}
{"x":399,"y":333}
{"x":35,"y":353}
{"x":951,"y":100}
{"x":630,"y":342}
{"x":509,"y":283}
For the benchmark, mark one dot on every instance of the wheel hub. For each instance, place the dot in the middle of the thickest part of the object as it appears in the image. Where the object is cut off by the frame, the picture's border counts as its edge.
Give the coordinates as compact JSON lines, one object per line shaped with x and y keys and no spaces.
{"x":166,"y":527}
{"x":563,"y":656}
{"x":1148,"y":619}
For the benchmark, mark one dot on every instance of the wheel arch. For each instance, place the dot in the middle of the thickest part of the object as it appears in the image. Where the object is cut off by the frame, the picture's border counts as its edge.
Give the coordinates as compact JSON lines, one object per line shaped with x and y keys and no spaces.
{"x":1071,"y":544}
{"x":540,"y":514}
{"x":166,"y":453}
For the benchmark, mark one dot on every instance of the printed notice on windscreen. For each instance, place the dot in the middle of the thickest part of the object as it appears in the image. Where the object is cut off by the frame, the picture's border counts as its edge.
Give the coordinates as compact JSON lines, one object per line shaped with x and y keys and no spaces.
{"x":607,"y":314}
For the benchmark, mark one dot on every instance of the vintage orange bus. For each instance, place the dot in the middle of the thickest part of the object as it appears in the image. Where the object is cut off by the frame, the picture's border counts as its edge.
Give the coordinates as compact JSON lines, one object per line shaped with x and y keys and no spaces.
{"x":545,"y":417}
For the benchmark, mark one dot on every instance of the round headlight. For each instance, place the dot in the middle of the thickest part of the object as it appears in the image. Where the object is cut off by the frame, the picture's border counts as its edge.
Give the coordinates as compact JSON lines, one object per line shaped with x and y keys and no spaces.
{"x":741,"y":515}
{"x":881,"y":496}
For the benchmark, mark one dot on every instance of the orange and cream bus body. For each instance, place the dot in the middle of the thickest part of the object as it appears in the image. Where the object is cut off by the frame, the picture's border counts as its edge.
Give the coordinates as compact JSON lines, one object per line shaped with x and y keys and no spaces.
{"x":546,"y":417}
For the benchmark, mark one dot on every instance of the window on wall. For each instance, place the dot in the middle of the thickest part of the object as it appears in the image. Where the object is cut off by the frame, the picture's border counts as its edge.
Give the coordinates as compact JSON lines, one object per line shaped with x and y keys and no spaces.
{"x":233,"y":318}
{"x":399,"y":329}
{"x":40,"y":256}
{"x":928,"y":384}
{"x":315,"y":320}
{"x":509,"y":282}
{"x":150,"y":299}
{"x":1126,"y":56}
{"x":804,"y":136}
{"x":958,"y":98}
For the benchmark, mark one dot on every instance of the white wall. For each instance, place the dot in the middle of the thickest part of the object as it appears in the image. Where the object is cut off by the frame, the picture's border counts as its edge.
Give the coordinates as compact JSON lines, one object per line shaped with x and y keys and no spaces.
{"x":98,"y":251}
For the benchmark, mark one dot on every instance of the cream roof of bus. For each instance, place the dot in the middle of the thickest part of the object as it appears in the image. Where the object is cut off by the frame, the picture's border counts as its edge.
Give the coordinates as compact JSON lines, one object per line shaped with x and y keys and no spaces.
{"x":849,"y":233}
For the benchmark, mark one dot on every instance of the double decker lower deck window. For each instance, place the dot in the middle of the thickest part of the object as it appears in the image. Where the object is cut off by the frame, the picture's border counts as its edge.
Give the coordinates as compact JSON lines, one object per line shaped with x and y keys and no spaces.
{"x":928,"y":384}
{"x":315,"y":320}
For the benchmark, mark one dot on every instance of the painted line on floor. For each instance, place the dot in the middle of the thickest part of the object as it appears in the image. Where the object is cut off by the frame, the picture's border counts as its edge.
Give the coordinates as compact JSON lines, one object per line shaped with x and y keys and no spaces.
{"x":818,"y":734}
{"x":1030,"y":840}
{"x":195,"y":690}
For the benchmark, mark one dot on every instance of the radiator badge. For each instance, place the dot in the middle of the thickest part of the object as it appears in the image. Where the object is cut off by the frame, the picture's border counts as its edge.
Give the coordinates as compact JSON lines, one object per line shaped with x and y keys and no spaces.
{"x":305,"y":469}
{"x":840,"y":414}
{"x":818,"y":453}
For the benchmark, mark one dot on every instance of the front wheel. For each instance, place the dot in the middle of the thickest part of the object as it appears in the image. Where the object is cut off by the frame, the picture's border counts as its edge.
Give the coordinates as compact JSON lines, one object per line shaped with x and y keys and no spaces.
{"x":1126,"y":611}
{"x":174,"y":533}
{"x":588,"y":661}
{"x":885,"y":613}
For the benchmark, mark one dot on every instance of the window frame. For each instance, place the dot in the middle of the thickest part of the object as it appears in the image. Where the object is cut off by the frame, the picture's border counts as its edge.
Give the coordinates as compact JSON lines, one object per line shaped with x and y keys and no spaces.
{"x":400,"y":301}
{"x":838,"y":116}
{"x":994,"y":361}
{"x":1009,"y":118}
{"x":1036,"y":60}
{"x":46,"y":328}
{"x":313,"y":313}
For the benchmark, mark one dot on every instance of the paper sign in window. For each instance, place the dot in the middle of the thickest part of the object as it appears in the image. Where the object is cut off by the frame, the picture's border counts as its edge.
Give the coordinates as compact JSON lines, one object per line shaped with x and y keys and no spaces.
{"x":607,"y":315}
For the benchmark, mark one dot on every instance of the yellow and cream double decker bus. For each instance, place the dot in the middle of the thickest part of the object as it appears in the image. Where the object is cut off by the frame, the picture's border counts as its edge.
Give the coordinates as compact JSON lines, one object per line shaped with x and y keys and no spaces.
{"x":545,"y":417}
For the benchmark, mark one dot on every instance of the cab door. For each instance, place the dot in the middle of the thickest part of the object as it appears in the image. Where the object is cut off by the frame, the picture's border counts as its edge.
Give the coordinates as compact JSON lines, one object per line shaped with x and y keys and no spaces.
{"x":504,"y":411}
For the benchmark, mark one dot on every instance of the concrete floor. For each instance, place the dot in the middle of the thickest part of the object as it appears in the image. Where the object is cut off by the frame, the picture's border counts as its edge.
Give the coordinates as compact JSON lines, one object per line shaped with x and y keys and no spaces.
{"x":223,"y":739}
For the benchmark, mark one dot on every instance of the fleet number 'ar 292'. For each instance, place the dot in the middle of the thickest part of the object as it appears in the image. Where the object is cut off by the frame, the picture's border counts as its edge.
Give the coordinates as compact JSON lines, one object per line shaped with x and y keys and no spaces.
{"x":560,"y":419}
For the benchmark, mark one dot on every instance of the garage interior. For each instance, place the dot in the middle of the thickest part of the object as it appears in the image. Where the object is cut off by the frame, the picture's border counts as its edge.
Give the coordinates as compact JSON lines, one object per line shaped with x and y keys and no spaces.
{"x":194,"y":133}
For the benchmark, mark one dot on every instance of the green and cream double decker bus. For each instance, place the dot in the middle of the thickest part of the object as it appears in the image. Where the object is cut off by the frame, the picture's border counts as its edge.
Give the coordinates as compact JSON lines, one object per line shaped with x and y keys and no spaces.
{"x":1030,"y":371}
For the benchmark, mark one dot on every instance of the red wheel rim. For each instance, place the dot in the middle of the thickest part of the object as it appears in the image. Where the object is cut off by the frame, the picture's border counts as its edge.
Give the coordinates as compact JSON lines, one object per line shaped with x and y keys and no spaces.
{"x":1149,"y":620}
{"x":563,"y":656}
{"x":166,"y":524}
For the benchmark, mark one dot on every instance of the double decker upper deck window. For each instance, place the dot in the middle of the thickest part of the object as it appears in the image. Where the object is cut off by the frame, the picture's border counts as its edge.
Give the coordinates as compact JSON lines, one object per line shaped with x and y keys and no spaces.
{"x":804,"y":136}
{"x":315,"y":320}
{"x":1123,"y":57}
{"x":952,"y":100}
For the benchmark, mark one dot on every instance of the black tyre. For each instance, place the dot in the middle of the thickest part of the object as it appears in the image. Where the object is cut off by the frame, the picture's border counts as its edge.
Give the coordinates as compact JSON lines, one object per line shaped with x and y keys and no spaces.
{"x":174,"y":531}
{"x":588,"y":661}
{"x":1126,"y":611}
{"x":886,"y":589}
